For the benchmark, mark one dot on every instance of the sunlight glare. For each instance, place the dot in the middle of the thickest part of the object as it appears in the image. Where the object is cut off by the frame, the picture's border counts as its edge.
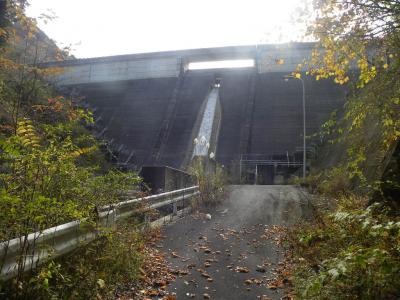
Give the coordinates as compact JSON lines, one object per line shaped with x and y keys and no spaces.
{"x":221,"y":64}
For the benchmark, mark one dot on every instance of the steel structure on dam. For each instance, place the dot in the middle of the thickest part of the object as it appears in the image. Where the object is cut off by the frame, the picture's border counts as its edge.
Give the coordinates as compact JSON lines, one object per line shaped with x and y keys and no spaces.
{"x":150,"y":106}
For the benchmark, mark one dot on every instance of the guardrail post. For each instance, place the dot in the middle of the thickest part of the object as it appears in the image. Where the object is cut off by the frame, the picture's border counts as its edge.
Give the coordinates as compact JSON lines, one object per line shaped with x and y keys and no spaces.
{"x":108,"y":219}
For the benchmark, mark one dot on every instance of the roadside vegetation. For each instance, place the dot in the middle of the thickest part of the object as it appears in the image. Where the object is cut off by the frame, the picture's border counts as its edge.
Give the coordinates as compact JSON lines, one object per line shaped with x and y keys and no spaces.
{"x":351,"y":249}
{"x":53,"y":171}
{"x":211,"y":180}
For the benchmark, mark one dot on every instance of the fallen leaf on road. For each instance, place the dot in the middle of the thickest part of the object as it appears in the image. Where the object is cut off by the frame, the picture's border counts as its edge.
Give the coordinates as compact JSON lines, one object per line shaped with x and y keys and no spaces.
{"x":160,"y":282}
{"x":170,"y":297}
{"x":185,"y":259}
{"x":175,"y":255}
{"x":152,"y":293}
{"x":242,"y":270}
{"x":179,"y":272}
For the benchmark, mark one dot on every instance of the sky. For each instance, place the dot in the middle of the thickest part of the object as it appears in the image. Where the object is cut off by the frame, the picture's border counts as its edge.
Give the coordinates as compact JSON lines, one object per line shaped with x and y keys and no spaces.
{"x":112,"y":27}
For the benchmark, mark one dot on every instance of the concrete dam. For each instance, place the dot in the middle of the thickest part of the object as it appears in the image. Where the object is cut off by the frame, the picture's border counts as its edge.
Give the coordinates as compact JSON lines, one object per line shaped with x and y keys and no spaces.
{"x":152,"y":108}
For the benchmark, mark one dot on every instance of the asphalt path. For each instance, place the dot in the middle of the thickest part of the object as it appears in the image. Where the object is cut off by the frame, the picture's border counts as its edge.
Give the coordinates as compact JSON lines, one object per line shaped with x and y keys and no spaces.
{"x":233,"y":255}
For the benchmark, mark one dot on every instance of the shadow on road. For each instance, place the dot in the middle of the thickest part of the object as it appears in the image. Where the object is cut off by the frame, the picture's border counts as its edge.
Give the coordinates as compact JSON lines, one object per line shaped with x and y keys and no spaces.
{"x":235,"y":254}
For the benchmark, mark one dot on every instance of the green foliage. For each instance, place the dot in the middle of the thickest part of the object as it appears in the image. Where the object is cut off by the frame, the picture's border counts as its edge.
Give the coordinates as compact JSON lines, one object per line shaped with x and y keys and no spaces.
{"x":350,"y":253}
{"x":42,"y":184}
{"x":351,"y":249}
{"x":22,"y":80}
{"x":333,"y":181}
{"x":211,"y":181}
{"x":52,"y":171}
{"x":92,"y":272}
{"x":47,"y":180}
{"x":358,"y":43}
{"x":359,"y":33}
{"x":368,"y":133}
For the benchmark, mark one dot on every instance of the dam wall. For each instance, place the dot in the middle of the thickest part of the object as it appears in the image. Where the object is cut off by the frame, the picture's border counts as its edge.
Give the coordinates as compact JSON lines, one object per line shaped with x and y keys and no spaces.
{"x":149,"y":106}
{"x":170,"y":63}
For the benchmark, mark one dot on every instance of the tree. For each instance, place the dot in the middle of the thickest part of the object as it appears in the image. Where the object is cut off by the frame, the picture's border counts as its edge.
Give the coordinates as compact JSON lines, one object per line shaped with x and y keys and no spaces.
{"x":25,"y":47}
{"x":355,"y":33}
{"x":51,"y":168}
{"x":350,"y":250}
{"x":358,"y":43}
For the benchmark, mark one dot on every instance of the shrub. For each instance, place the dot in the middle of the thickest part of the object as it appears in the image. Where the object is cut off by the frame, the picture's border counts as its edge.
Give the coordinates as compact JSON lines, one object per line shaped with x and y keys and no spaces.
{"x":211,"y":182}
{"x":332,"y":181}
{"x":95,"y":271}
{"x":52,"y":171}
{"x":350,"y":253}
{"x":42,"y":185}
{"x":46,"y":180}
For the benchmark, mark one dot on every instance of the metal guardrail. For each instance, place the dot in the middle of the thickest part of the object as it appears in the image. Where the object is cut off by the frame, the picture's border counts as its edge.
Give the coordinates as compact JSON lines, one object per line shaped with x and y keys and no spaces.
{"x":27,"y":252}
{"x":271,"y":162}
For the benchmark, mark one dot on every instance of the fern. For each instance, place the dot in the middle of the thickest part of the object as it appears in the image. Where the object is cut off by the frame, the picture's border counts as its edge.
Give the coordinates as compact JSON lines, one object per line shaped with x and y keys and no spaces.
{"x":28,"y":134}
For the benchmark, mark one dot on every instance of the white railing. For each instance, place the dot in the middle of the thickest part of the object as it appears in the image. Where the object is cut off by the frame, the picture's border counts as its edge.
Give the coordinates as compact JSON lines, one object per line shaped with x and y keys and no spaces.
{"x":26,"y":252}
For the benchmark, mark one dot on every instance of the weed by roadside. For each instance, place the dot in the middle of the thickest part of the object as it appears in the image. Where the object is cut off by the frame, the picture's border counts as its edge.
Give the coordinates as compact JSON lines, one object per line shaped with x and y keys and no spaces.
{"x":154,"y":274}
{"x":211,"y":181}
{"x":94,"y":271}
{"x":349,"y":252}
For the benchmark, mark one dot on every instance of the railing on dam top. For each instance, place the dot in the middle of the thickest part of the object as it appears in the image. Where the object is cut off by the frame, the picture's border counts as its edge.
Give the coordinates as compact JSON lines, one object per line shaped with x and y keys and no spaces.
{"x":27,"y":252}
